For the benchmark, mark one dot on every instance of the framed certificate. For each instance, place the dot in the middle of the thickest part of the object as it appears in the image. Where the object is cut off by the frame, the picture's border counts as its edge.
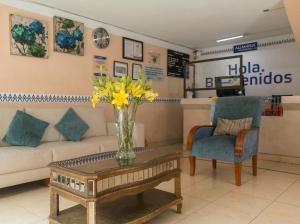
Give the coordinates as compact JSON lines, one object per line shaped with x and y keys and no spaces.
{"x":135,"y":70}
{"x":120,"y":69}
{"x":133,"y":49}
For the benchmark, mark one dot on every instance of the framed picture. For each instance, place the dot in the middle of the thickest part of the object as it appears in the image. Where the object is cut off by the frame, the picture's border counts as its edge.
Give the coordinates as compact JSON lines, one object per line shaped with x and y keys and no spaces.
{"x":68,"y":36}
{"x":28,"y":37}
{"x":135,"y":70}
{"x":120,"y":69}
{"x":133,"y":49}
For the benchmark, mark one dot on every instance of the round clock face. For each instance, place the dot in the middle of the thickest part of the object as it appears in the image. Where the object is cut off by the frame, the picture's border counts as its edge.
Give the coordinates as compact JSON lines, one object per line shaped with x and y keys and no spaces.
{"x":101,"y":38}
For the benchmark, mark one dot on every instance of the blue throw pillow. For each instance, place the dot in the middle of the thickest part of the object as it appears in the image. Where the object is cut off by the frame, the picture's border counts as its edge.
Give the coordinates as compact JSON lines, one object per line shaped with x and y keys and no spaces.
{"x":71,"y":126}
{"x":25,"y":130}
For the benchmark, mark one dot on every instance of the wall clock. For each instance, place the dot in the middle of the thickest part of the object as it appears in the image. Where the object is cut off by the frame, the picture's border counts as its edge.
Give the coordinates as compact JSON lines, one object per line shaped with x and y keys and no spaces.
{"x":101,"y":37}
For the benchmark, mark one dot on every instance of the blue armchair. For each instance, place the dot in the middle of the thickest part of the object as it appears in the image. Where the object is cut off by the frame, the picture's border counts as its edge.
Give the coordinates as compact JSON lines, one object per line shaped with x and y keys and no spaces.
{"x":235,"y":149}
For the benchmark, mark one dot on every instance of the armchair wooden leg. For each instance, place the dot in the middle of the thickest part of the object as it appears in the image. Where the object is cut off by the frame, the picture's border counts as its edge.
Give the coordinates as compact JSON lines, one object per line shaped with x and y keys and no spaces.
{"x":238,"y":173}
{"x":192,"y":165}
{"x":214,"y":163}
{"x":254,"y":165}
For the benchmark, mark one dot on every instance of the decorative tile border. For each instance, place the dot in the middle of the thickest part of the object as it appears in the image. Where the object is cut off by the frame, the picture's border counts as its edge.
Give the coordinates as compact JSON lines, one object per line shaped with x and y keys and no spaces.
{"x":60,"y":98}
{"x":263,"y":44}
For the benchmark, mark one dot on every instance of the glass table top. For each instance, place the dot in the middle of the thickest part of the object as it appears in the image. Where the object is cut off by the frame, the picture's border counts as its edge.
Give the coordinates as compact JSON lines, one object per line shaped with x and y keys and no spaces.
{"x":105,"y":162}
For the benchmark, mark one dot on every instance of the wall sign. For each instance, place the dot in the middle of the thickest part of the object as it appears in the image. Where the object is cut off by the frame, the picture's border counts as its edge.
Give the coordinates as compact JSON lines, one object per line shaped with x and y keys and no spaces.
{"x":99,"y":65}
{"x":245,"y":47}
{"x":272,"y":70}
{"x":154,"y":73}
{"x":176,"y":63}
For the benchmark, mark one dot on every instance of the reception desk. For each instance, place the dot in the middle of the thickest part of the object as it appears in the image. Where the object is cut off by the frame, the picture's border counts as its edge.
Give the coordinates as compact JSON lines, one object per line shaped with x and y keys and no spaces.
{"x":279,"y":136}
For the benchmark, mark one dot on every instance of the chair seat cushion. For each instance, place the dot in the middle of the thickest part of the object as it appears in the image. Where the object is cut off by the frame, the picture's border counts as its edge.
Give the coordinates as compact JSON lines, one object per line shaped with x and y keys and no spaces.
{"x":219,"y":147}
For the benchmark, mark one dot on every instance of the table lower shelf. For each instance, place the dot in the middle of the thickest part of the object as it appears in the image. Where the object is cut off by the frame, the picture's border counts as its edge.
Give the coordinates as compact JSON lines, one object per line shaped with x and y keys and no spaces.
{"x":128,"y":209}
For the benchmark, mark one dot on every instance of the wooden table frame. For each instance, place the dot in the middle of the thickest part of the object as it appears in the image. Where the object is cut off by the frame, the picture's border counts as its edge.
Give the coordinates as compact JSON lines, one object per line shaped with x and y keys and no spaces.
{"x":163,"y":169}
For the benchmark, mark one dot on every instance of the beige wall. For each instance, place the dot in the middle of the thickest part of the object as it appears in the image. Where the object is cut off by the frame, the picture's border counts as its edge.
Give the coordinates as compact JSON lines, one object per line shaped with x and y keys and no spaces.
{"x":68,"y":74}
{"x":292,"y":8}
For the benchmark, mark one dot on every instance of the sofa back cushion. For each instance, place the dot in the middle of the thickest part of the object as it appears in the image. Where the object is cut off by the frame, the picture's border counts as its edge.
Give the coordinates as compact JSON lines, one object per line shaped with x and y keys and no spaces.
{"x":6,"y":116}
{"x":72,"y":126}
{"x":25,"y":130}
{"x":95,"y":118}
{"x":52,"y":116}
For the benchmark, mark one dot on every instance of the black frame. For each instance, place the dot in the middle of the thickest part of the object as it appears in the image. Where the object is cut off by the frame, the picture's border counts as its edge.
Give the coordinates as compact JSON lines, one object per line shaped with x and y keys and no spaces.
{"x":133,"y":64}
{"x":134,"y":59}
{"x":192,"y":63}
{"x":115,"y":62}
{"x":186,"y":63}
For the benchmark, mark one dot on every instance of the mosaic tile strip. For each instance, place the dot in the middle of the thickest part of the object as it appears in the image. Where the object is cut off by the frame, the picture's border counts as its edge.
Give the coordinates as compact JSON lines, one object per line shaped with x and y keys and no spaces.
{"x":137,"y":176}
{"x":263,"y":44}
{"x":68,"y":182}
{"x":95,"y":158}
{"x":60,"y":98}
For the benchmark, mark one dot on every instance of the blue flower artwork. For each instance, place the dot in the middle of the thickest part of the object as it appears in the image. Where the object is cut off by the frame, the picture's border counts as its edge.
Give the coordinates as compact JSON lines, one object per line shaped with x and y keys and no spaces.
{"x":29,"y":37}
{"x":68,"y":36}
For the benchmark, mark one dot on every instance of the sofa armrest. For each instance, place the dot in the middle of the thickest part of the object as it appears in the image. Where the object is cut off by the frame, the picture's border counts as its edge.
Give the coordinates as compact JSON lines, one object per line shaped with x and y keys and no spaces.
{"x":246,"y":139}
{"x":138,"y":133}
{"x":197,"y":132}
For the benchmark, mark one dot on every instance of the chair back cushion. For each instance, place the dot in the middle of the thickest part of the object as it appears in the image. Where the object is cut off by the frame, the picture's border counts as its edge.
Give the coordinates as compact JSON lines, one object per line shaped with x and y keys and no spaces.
{"x":239,"y":107}
{"x":232,"y":127}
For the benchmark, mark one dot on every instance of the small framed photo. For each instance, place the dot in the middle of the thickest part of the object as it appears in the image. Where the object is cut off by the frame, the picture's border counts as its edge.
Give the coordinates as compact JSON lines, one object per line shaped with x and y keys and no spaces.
{"x":133,"y":49}
{"x":135,"y":70}
{"x":120,"y":69}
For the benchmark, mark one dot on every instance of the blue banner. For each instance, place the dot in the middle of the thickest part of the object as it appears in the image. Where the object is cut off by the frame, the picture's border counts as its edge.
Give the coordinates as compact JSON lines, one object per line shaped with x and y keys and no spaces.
{"x":245,"y":47}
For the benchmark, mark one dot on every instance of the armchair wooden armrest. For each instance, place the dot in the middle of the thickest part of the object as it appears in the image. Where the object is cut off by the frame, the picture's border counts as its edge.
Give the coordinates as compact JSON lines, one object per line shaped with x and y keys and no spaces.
{"x":190,"y":137}
{"x":240,"y":139}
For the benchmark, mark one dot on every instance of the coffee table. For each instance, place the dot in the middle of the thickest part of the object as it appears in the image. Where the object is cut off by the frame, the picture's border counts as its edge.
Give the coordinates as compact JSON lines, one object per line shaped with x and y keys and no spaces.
{"x":109,"y":193}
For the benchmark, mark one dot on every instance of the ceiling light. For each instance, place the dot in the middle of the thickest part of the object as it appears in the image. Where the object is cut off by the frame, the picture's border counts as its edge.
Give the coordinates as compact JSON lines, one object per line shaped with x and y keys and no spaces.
{"x":230,"y":38}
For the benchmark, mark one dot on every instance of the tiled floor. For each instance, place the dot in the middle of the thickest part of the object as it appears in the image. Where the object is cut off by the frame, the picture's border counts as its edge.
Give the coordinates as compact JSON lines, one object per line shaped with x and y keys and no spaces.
{"x":209,"y":197}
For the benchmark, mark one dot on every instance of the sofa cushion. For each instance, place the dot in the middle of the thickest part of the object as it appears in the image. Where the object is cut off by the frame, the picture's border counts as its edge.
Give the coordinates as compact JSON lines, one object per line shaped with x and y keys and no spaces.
{"x":25,"y":130}
{"x":69,"y":150}
{"x":6,"y":116}
{"x":21,"y":158}
{"x":105,"y":143}
{"x":52,"y":116}
{"x":95,"y":118}
{"x":71,"y":126}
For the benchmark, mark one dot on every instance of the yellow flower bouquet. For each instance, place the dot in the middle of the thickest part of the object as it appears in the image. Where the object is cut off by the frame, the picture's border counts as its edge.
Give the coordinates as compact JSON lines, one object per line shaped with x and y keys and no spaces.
{"x":125,"y":95}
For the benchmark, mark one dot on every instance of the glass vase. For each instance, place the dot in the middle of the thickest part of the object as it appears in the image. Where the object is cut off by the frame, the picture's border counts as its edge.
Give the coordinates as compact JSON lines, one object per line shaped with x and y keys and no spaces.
{"x":125,"y":122}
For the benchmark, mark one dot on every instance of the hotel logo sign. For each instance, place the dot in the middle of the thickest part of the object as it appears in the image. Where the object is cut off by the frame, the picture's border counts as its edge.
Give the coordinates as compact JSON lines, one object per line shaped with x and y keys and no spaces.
{"x":245,"y":47}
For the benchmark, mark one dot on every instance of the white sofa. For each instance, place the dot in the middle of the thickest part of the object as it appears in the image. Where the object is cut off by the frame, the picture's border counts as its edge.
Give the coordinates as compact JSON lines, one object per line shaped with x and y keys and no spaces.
{"x":19,"y":164}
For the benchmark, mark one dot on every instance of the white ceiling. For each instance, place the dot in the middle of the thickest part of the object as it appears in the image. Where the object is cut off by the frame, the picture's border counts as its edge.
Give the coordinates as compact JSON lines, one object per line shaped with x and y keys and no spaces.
{"x":192,"y":23}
